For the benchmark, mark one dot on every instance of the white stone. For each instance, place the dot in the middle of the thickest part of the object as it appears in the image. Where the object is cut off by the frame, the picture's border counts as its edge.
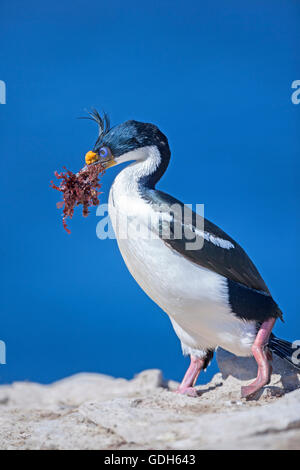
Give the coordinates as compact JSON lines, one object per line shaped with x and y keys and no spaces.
{"x":93,"y":411}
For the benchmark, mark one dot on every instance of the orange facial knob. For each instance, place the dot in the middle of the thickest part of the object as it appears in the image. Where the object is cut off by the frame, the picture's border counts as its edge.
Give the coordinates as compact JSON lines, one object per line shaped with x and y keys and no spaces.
{"x":90,"y":157}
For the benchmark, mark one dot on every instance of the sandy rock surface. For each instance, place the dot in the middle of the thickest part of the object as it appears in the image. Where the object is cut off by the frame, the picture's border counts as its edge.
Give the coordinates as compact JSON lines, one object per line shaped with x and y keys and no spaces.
{"x":93,"y":411}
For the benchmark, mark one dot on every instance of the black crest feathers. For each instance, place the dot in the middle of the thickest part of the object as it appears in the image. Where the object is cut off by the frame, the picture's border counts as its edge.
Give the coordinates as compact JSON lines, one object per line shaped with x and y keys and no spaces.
{"x":103,"y":123}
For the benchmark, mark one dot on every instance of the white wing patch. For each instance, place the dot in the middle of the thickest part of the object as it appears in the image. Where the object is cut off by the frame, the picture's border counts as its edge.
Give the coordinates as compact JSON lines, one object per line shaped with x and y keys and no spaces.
{"x":202,"y":233}
{"x":215,"y":240}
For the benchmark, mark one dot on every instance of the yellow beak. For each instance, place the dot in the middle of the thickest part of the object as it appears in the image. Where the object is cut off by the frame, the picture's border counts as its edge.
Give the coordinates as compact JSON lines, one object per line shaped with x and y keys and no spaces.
{"x":91,"y":157}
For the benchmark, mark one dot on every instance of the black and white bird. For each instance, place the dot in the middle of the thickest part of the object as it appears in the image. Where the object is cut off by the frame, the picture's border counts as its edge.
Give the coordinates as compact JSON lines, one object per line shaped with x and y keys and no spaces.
{"x":205,"y":282}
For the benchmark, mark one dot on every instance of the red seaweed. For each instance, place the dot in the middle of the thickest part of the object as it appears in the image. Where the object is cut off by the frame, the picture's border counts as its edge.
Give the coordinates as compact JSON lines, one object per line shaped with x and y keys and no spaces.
{"x":78,"y":188}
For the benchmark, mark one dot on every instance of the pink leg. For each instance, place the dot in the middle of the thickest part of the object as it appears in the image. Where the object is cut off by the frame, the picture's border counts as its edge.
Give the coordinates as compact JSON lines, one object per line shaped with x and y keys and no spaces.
{"x":262,"y":356}
{"x":191,"y":376}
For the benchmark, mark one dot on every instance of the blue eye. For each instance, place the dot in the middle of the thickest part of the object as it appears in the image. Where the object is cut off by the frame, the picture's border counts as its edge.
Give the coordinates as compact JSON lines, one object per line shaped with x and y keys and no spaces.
{"x":104,"y":152}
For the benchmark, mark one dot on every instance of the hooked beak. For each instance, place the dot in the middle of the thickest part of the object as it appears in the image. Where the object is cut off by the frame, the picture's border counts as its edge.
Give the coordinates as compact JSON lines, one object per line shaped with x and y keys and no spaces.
{"x":92,"y":158}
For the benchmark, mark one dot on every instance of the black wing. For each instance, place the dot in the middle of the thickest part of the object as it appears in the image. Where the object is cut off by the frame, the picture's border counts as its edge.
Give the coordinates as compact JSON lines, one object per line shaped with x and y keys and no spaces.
{"x":217,"y":251}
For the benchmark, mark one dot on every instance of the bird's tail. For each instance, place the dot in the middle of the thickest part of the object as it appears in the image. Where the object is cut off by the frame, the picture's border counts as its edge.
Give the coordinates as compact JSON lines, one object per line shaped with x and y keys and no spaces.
{"x":286,"y":350}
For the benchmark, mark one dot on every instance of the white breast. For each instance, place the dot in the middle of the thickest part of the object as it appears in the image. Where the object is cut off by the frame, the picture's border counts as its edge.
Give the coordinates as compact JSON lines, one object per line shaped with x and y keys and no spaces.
{"x":195,"y":298}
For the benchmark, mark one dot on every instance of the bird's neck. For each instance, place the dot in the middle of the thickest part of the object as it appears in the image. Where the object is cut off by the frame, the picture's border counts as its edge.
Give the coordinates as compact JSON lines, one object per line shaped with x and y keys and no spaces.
{"x":146,"y":170}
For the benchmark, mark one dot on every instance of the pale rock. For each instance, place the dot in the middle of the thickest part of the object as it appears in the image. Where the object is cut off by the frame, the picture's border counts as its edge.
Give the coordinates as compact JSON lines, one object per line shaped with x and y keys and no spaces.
{"x":93,"y":411}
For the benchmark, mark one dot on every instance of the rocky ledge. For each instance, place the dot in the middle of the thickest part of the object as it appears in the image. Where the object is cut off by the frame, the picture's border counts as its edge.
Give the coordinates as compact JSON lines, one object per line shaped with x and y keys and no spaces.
{"x":93,"y":411}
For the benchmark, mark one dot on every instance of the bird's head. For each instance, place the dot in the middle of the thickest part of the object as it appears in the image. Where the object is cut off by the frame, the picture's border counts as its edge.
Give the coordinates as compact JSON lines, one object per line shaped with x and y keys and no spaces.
{"x":130,"y":141}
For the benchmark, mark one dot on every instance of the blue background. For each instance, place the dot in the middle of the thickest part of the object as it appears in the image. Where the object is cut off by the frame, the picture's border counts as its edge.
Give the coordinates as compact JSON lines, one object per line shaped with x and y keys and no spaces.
{"x":216,"y":78}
